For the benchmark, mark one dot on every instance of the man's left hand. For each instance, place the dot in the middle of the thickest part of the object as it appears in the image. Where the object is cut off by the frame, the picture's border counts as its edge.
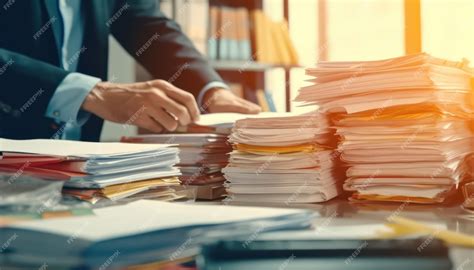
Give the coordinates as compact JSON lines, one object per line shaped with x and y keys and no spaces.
{"x":223,"y":100}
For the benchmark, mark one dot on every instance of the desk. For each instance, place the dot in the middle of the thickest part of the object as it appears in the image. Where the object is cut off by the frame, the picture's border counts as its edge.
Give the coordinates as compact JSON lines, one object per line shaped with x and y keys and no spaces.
{"x":340,"y":212}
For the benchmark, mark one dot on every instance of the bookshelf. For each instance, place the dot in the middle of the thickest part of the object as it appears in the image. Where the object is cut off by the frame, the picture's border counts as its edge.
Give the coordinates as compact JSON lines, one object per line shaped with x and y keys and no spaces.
{"x":252,"y":73}
{"x":243,"y":66}
{"x":248,"y":73}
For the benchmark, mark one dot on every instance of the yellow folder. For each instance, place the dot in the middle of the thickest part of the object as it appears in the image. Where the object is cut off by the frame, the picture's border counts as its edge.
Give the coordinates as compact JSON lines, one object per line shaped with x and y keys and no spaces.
{"x":278,"y":149}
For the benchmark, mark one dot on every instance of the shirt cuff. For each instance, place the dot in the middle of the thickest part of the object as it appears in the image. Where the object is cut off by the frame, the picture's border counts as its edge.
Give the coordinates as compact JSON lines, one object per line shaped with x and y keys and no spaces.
{"x":65,"y":105}
{"x":204,"y":90}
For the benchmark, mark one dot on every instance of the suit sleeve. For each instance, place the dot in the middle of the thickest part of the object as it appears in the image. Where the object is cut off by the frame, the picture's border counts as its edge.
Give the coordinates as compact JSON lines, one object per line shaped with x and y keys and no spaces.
{"x":26,"y":86}
{"x":158,"y":43}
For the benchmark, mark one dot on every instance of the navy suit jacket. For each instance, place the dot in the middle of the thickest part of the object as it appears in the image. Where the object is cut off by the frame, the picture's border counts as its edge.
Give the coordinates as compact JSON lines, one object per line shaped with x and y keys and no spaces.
{"x":30,"y":65}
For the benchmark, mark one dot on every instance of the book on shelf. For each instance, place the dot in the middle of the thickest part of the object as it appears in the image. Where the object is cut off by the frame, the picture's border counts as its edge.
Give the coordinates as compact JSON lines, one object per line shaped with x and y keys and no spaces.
{"x":197,"y":22}
{"x":192,"y":18}
{"x":285,"y":32}
{"x":241,"y":34}
{"x":272,"y":42}
{"x":234,"y":33}
{"x":231,"y":18}
{"x":224,"y":33}
{"x":270,"y":101}
{"x":263,"y":98}
{"x":245,"y":45}
{"x":213,"y":35}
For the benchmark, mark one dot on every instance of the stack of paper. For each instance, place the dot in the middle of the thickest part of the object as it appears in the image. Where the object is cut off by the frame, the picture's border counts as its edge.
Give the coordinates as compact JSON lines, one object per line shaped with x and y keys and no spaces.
{"x":137,"y":233}
{"x":403,"y":123}
{"x":162,"y":189}
{"x":288,"y":159}
{"x":202,"y":156}
{"x":93,"y":171}
{"x":220,"y":123}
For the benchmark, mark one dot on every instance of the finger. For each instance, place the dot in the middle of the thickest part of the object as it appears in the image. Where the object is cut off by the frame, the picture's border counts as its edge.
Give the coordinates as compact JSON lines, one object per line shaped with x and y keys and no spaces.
{"x":135,"y":85}
{"x":164,"y":118}
{"x":158,"y":97}
{"x":149,"y":123}
{"x":235,"y":107}
{"x":249,"y":107}
{"x":182,"y":97}
{"x":177,"y":110}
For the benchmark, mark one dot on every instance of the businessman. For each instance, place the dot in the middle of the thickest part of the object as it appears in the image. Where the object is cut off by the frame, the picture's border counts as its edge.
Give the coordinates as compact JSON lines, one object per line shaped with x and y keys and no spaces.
{"x":53,"y":70}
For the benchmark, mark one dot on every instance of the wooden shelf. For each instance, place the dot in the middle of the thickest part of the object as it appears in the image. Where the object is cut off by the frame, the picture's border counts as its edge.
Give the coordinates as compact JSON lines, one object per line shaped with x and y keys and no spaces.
{"x":247,"y":66}
{"x":250,"y":75}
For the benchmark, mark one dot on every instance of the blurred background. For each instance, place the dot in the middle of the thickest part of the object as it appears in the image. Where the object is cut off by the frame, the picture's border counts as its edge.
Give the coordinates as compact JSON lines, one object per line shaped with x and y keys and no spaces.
{"x":261,"y":47}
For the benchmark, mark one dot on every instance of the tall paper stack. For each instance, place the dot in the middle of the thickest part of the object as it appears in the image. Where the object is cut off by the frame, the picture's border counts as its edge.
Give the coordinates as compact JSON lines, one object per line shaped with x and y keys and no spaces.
{"x":95,"y":171}
{"x":202,"y":156}
{"x":403,"y":124}
{"x":287,"y":159}
{"x":204,"y":150}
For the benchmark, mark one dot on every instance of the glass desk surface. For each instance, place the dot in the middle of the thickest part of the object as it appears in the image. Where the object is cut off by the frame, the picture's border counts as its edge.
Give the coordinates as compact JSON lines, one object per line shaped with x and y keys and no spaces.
{"x":344,"y":214}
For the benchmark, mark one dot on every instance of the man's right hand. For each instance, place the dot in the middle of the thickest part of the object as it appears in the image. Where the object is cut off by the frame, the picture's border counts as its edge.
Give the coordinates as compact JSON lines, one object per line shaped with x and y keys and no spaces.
{"x":154,"y":105}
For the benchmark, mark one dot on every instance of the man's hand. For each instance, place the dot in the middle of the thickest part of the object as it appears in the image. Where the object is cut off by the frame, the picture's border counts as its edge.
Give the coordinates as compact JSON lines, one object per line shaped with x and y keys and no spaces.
{"x":223,"y":100}
{"x":154,"y":105}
